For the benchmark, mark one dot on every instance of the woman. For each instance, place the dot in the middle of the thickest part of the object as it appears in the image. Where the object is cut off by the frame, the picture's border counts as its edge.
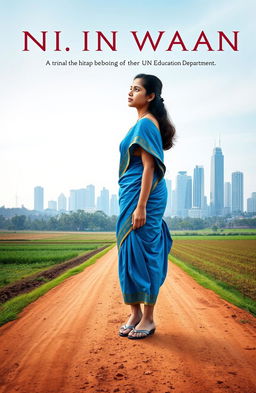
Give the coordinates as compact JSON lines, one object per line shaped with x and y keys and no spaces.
{"x":143,"y":238}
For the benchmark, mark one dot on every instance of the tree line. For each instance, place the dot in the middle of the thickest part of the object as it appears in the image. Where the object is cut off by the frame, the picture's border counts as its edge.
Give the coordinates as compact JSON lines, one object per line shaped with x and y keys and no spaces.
{"x":100,"y":221}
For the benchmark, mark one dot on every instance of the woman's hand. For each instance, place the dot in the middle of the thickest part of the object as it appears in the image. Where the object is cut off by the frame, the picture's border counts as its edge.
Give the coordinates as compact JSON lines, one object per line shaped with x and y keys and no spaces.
{"x":138,"y":217}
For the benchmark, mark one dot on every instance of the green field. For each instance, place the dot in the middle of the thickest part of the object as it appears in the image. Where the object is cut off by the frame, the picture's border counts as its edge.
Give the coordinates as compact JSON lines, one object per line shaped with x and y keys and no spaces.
{"x":24,"y":253}
{"x":226,"y":264}
{"x":20,"y":260}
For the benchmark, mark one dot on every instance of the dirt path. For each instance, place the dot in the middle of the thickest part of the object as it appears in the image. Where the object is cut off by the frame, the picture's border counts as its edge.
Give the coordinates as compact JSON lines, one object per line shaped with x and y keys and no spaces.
{"x":67,"y":341}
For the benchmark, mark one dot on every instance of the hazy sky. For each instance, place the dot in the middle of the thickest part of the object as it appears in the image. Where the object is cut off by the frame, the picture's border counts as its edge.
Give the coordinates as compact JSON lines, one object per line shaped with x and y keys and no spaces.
{"x":61,"y":126}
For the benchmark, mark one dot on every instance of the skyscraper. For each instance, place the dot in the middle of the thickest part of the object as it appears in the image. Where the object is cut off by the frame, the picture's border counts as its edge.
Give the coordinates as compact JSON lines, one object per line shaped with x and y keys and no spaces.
{"x":237,"y":192}
{"x":251,"y":203}
{"x":227,"y":198}
{"x":103,"y":201}
{"x":39,"y":198}
{"x":81,"y":199}
{"x":62,"y":202}
{"x":183,"y":193}
{"x":90,"y":197}
{"x":217,"y":182}
{"x":198,"y":187}
{"x":114,"y":207}
{"x":72,"y":201}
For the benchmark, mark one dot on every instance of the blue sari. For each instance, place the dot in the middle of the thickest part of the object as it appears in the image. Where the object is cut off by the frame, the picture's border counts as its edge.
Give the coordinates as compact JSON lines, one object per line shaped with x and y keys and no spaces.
{"x":142,"y":252}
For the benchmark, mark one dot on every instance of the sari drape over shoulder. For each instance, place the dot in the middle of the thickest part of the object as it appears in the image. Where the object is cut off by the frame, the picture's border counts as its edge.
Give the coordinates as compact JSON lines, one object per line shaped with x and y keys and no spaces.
{"x":143,"y":252}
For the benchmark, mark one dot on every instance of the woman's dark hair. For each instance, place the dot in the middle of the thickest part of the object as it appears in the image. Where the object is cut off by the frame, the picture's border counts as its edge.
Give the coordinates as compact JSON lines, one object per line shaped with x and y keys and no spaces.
{"x":152,"y":84}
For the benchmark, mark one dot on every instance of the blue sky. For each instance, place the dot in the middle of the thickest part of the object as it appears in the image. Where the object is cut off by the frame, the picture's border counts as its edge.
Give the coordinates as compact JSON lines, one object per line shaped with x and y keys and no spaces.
{"x":61,"y":126}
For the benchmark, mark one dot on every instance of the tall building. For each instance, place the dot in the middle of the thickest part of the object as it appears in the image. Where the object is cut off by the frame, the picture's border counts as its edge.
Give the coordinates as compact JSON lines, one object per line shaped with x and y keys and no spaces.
{"x":217,"y":182}
{"x":168,"y":208}
{"x":183,"y":193}
{"x":90,"y":197}
{"x":198,"y":187}
{"x":227,"y":198}
{"x":62,"y":202}
{"x":81,"y":199}
{"x":103,"y":201}
{"x":114,"y":207}
{"x":205,"y":202}
{"x":237,"y":192}
{"x":39,"y":198}
{"x":251,"y":203}
{"x":72,"y":201}
{"x":199,"y":209}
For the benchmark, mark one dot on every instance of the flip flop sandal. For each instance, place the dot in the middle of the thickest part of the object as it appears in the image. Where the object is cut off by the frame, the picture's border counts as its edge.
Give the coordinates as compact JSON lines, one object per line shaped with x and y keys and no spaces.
{"x":124,"y":327}
{"x":148,"y":333}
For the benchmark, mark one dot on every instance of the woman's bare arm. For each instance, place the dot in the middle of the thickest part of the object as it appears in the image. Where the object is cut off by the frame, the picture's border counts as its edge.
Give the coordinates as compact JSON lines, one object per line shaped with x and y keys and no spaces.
{"x":139,"y":214}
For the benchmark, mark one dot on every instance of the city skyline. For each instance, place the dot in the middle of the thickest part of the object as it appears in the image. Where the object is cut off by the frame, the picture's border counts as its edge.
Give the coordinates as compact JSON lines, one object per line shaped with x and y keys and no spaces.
{"x":179,"y":201}
{"x":194,"y":198}
{"x":188,"y":198}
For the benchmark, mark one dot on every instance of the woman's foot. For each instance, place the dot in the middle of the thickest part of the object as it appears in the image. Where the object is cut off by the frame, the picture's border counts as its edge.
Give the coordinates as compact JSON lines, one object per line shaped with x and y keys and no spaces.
{"x":143,"y":325}
{"x":133,"y":320}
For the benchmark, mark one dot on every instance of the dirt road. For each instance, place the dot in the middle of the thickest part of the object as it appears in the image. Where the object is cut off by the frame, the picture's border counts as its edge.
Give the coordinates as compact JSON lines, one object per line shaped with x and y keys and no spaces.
{"x":67,"y":341}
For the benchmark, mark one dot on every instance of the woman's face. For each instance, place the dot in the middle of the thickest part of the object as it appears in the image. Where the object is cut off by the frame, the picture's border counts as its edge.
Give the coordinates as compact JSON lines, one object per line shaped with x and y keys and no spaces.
{"x":137,"y":95}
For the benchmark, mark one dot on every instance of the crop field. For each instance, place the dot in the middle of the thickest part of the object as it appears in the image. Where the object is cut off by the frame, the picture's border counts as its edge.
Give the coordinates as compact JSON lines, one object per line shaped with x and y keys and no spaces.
{"x":231,"y":261}
{"x":57,"y":236}
{"x":21,"y":260}
{"x":23,"y":254}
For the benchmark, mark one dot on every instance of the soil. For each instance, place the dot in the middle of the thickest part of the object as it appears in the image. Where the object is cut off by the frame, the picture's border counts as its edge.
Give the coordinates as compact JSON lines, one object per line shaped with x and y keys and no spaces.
{"x":67,"y":340}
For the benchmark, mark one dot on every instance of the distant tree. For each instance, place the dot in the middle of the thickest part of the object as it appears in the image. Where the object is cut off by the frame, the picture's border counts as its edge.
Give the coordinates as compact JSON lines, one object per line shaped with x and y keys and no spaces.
{"x":18,"y":222}
{"x":2,"y":222}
